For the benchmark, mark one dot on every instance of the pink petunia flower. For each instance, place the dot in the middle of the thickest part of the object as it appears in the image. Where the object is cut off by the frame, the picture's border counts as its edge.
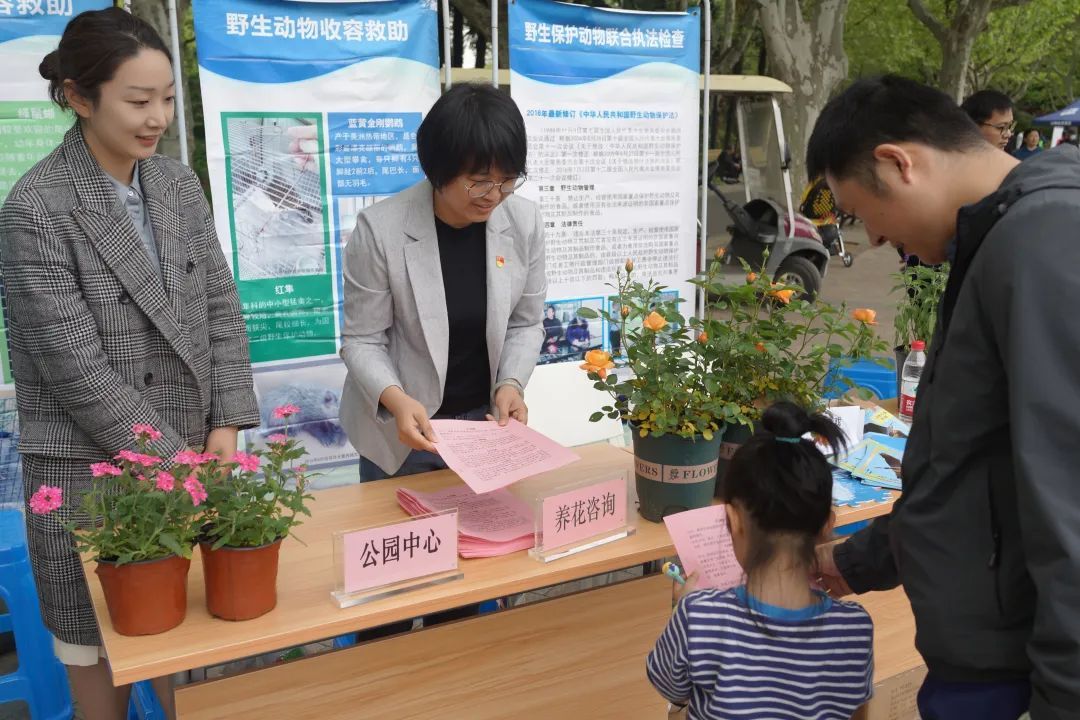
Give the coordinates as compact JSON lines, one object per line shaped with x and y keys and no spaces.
{"x":208,"y":457}
{"x":165,"y":482}
{"x":102,"y":469}
{"x":196,"y":490}
{"x":285,"y":411}
{"x":188,"y":457}
{"x":46,"y":499}
{"x":247,"y":463}
{"x":147,"y":430}
{"x":277,"y":439}
{"x":138,"y":458}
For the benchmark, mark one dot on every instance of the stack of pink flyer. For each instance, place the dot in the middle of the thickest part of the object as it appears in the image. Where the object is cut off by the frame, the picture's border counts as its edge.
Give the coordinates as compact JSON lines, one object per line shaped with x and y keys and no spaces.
{"x":495,"y":523}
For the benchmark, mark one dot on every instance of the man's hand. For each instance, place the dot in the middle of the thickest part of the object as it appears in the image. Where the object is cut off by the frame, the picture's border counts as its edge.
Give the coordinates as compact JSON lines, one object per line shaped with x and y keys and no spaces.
{"x":222,"y":442}
{"x":509,"y":404}
{"x":414,"y":427}
{"x":830,"y":577}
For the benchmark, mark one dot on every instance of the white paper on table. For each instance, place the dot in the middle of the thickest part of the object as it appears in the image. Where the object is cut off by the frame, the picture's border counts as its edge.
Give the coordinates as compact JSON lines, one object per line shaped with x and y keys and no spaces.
{"x":703,"y":544}
{"x":498,"y":516}
{"x":488,"y":457}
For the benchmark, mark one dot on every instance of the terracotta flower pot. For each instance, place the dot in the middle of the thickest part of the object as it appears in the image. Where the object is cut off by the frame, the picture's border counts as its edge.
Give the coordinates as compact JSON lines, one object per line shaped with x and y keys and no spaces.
{"x":145,"y":598}
{"x":241,"y":583}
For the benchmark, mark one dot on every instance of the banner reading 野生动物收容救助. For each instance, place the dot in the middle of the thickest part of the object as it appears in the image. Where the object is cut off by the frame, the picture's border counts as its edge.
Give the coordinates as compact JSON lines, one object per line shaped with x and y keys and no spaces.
{"x":311,"y":111}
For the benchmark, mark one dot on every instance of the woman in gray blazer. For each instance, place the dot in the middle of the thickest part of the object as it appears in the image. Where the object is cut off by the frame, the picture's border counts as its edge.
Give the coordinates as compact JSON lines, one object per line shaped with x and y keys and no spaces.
{"x":444,"y":289}
{"x":121,"y":310}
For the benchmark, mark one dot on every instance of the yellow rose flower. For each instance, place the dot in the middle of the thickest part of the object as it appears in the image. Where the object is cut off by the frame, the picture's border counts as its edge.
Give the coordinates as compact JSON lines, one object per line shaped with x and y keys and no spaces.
{"x":655,"y":322}
{"x":865,"y":315}
{"x":598,"y":361}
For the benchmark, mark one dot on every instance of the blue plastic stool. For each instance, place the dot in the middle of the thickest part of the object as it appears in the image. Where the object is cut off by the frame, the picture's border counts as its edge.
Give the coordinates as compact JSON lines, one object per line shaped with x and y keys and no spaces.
{"x":144,"y":703}
{"x":864,"y":374}
{"x":40,"y":680}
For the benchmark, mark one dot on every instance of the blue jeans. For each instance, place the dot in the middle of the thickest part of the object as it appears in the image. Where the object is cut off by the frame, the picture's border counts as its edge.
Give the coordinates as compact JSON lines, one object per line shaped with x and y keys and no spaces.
{"x":417,"y":461}
{"x":941,"y":700}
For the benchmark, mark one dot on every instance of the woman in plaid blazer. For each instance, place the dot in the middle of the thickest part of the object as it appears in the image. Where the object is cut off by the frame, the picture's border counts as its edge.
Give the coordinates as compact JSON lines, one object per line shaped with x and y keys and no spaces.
{"x":121,"y":308}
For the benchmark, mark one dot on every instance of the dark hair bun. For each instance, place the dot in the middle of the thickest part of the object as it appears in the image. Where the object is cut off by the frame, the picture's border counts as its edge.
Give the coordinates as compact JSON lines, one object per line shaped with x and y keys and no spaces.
{"x":50,"y":66}
{"x":93,"y":46}
{"x":785,"y":419}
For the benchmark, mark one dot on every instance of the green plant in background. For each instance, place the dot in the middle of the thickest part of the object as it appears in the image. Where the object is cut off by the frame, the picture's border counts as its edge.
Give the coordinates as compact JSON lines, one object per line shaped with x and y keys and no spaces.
{"x":921,"y":288}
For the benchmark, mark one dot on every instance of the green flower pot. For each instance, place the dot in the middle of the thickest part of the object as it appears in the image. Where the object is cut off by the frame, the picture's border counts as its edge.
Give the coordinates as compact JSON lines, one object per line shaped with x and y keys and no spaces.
{"x":734,"y":437}
{"x":673,"y":474}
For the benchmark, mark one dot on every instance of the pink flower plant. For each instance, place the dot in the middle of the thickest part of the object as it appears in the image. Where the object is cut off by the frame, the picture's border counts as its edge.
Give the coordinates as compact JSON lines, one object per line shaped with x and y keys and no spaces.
{"x":144,"y":430}
{"x":277,"y":439}
{"x":165,"y":481}
{"x":138,"y":458}
{"x":103,"y":469}
{"x":246,"y":462}
{"x":285,"y":411}
{"x":196,"y":490}
{"x":135,"y":510}
{"x":46,"y":499}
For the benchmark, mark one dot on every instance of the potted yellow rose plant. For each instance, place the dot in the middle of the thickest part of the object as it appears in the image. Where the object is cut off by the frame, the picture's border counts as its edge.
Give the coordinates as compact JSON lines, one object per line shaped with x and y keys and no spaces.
{"x":780,"y":346}
{"x":669,"y":390}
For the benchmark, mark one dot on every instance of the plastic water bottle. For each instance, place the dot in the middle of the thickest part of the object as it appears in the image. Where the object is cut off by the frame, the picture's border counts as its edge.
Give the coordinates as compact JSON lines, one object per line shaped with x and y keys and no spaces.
{"x":909,"y":380}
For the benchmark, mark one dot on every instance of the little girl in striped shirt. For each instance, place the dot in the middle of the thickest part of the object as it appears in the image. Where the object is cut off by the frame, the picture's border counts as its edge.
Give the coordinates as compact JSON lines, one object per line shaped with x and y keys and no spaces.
{"x":773,"y":648}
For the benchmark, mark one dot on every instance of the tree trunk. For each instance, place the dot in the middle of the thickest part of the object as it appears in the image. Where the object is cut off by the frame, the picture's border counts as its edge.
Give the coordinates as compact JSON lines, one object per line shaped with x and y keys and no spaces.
{"x":477,"y":14}
{"x":808,"y":54}
{"x":156,"y":13}
{"x":957,"y":37}
{"x":457,"y":34}
{"x":481,"y":50}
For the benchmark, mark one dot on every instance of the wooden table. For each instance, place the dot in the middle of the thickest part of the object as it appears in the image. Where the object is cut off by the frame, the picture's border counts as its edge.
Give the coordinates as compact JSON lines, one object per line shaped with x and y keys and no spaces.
{"x":584,"y":651}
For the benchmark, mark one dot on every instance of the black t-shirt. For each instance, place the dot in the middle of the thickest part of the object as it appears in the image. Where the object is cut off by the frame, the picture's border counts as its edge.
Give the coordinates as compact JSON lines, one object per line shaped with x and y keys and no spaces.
{"x":463,"y":256}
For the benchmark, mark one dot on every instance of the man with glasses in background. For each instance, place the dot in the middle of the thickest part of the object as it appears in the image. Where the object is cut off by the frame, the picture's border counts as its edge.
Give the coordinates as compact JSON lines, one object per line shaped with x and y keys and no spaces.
{"x":423,"y":338}
{"x":992,"y":111}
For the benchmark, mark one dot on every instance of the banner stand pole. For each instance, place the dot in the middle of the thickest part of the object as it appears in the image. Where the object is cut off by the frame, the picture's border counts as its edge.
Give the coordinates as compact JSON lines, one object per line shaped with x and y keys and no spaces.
{"x":495,"y":43}
{"x":705,"y":106}
{"x":447,"y":80}
{"x":178,"y":79}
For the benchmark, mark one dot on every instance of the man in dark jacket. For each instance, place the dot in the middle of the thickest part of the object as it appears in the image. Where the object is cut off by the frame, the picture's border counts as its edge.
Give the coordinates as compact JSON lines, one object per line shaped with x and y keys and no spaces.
{"x":986,"y":536}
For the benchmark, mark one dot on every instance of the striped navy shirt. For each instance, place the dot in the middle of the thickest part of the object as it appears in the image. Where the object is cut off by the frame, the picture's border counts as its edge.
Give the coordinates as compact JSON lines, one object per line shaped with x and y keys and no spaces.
{"x":732,"y":656}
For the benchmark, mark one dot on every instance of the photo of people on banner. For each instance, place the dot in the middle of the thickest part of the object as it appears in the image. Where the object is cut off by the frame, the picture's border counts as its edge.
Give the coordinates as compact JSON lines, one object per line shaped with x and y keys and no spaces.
{"x":614,"y":337}
{"x":567,"y":336}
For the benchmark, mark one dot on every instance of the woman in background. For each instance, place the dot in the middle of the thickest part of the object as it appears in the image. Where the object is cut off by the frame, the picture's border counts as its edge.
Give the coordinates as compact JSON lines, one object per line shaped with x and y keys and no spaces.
{"x":122,"y":310}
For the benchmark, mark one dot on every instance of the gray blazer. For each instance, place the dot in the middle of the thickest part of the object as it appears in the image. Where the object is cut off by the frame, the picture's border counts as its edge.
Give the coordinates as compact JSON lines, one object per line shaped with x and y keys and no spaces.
{"x":396,"y":328}
{"x":99,"y":341}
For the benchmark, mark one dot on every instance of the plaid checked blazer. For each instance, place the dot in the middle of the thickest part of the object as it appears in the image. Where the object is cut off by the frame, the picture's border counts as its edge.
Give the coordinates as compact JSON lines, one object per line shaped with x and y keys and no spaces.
{"x":98,"y":342}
